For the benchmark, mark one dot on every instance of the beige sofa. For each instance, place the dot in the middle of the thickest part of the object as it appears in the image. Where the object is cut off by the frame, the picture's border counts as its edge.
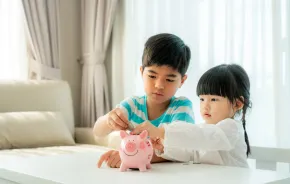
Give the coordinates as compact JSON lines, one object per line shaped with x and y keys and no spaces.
{"x":36,"y":118}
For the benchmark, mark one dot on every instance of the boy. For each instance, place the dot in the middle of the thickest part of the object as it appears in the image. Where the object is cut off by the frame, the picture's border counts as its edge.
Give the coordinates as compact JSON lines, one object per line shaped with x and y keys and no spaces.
{"x":165,"y":61}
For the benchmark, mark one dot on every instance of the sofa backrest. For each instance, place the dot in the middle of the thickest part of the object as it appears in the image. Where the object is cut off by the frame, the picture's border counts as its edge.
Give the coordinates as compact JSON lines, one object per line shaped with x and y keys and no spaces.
{"x":33,"y":95}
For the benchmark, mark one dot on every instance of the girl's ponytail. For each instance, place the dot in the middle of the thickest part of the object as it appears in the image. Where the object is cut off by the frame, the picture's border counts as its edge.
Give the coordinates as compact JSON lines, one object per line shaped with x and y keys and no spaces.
{"x":245,"y":133}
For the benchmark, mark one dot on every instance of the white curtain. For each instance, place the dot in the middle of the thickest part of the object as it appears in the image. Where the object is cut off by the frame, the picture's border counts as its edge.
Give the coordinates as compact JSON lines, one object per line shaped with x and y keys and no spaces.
{"x":97,"y":18}
{"x":42,"y":17}
{"x":252,"y":33}
{"x":13,"y":62}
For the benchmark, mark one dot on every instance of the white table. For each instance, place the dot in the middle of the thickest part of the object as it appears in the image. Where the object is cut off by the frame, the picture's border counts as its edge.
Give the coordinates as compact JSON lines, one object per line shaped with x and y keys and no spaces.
{"x":80,"y":168}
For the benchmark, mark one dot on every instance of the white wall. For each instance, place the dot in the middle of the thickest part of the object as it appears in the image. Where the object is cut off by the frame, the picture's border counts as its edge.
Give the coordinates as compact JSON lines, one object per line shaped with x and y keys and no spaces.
{"x":70,"y":49}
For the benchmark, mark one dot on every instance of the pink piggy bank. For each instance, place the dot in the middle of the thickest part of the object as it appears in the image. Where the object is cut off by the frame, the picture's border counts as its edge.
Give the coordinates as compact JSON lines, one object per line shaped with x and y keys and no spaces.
{"x":136,"y":151}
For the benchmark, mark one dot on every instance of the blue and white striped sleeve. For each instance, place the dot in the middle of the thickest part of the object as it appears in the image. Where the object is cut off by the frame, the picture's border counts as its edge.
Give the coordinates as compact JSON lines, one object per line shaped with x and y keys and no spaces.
{"x":126,"y":106}
{"x":183,"y":111}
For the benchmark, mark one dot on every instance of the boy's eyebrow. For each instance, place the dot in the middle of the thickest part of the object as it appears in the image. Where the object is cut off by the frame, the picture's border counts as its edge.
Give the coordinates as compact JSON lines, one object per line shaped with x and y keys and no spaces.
{"x":152,"y":71}
{"x":169,"y":75}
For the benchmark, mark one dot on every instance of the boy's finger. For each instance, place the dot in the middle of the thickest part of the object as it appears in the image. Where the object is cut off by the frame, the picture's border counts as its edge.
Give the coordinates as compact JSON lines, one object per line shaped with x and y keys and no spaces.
{"x":119,"y":121}
{"x":114,"y":125}
{"x":136,"y":130}
{"x":104,"y":157}
{"x":115,"y":162}
{"x":112,"y":158}
{"x":118,"y":164}
{"x":122,"y":116}
{"x":110,"y":161}
{"x":139,"y":128}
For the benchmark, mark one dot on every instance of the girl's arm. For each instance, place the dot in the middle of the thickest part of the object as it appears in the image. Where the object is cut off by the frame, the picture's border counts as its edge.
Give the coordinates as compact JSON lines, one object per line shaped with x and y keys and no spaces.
{"x":205,"y":137}
{"x":183,"y":141}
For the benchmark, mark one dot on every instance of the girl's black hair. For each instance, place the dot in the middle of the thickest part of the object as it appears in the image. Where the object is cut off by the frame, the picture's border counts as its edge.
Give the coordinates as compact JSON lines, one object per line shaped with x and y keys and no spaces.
{"x":166,"y":49}
{"x":230,"y":81}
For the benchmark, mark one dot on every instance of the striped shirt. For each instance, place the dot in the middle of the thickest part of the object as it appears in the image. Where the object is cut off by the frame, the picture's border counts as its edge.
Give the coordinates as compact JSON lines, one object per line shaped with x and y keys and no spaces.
{"x":179,"y":109}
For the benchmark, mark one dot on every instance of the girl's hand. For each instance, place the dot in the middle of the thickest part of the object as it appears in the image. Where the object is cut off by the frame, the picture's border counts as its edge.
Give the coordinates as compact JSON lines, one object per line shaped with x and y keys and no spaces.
{"x":157,"y":144}
{"x":153,"y":132}
{"x":112,"y":158}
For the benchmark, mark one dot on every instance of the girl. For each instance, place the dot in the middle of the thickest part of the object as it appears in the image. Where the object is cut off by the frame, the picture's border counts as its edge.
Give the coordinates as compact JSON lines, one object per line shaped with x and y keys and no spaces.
{"x":224,"y":93}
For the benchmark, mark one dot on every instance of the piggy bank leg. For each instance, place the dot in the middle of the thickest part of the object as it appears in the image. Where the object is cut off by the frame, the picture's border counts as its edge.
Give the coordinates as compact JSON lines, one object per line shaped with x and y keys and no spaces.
{"x":142,"y":168}
{"x":123,"y":167}
{"x":148,"y":166}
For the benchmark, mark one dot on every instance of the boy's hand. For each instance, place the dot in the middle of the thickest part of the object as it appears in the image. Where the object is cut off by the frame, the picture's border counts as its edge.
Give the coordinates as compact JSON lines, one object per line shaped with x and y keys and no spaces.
{"x":112,"y":158}
{"x":117,"y":120}
{"x":153,"y":132}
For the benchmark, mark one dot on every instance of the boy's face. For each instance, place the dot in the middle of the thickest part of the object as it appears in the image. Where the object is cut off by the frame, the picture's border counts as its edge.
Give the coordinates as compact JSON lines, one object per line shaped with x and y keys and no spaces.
{"x":161,"y":82}
{"x":214,"y":109}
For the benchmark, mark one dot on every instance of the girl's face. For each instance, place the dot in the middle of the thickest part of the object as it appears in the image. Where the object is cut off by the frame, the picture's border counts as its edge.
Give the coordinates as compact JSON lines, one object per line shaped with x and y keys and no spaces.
{"x":215,"y":108}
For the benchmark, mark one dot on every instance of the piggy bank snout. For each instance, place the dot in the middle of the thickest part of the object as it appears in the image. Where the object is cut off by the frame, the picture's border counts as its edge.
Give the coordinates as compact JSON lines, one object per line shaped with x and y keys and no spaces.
{"x":130,"y":147}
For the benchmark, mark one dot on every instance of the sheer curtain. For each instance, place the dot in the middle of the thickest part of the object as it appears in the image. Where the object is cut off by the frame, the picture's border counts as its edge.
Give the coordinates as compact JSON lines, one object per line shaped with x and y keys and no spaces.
{"x":42,"y":18}
{"x":97,"y":21}
{"x":252,"y":33}
{"x":13,"y":62}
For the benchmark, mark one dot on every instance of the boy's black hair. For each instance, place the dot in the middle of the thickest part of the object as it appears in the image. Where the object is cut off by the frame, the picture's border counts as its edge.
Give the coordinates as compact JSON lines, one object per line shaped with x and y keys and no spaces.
{"x":166,"y":49}
{"x":231,"y":81}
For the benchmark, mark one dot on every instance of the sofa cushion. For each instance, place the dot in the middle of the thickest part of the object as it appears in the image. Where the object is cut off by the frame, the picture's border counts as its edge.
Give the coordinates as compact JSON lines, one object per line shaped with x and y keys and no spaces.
{"x":33,"y":129}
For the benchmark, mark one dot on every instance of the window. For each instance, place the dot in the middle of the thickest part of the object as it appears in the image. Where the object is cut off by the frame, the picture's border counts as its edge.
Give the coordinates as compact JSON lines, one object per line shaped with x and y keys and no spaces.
{"x":252,"y":33}
{"x":13,"y":62}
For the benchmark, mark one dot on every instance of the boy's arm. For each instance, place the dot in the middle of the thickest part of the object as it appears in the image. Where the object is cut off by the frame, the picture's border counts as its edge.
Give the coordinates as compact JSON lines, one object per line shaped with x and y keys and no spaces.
{"x":101,"y":127}
{"x":157,"y":159}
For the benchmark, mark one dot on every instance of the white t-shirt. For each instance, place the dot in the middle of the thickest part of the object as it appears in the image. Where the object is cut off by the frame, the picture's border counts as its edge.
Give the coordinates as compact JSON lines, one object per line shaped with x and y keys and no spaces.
{"x":221,"y":144}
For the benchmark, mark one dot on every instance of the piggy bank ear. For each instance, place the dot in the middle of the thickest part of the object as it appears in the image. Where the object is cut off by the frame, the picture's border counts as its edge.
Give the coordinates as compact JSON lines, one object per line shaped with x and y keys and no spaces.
{"x":123,"y":134}
{"x":143,"y":134}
